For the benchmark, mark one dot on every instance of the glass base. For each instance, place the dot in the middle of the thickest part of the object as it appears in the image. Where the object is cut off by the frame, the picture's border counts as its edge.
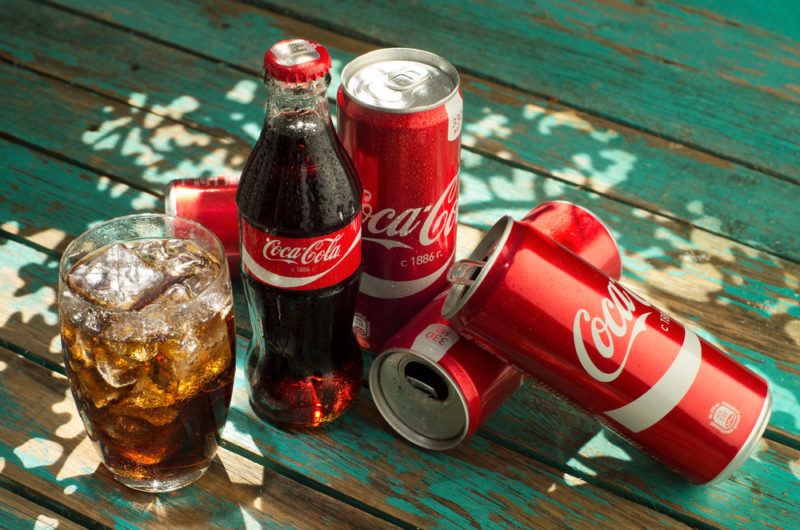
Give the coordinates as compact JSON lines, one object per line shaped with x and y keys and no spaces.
{"x":161,"y":485}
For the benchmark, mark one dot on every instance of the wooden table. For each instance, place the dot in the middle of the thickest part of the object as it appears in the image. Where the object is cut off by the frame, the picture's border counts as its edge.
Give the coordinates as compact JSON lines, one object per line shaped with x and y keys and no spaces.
{"x":676,"y":122}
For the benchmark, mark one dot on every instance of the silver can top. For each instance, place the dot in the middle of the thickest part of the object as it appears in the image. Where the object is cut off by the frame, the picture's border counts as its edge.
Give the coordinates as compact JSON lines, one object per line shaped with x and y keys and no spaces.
{"x":467,"y":274}
{"x":419,"y":399}
{"x":400,"y":80}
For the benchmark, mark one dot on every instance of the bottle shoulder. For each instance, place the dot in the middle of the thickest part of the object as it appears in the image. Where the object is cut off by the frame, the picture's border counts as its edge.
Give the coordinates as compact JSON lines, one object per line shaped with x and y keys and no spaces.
{"x":297,"y":182}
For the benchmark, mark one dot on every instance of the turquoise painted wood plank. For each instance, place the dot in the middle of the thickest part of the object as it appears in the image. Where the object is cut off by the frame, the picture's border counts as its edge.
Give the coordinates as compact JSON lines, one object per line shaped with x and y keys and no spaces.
{"x":763,"y":492}
{"x":771,"y":16}
{"x":616,"y":59}
{"x":738,"y":294}
{"x":19,"y":512}
{"x":617,"y":161}
{"x":356,"y":456}
{"x":49,"y":202}
{"x":532,"y":421}
{"x":44,"y":446}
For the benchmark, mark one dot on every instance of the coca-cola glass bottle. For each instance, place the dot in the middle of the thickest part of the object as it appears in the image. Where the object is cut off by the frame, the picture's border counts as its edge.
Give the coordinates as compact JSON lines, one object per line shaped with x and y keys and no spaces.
{"x":299,"y":205}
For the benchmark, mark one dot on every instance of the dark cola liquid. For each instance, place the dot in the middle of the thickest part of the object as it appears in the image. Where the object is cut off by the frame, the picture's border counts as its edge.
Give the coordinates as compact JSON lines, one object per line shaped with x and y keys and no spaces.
{"x":304,"y":364}
{"x":161,"y":427}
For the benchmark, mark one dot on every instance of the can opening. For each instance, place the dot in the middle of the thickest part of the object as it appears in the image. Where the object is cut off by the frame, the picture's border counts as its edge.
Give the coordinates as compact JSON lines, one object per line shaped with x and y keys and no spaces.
{"x":465,"y":271}
{"x":419,"y":399}
{"x":467,"y":274}
{"x":427,"y":381}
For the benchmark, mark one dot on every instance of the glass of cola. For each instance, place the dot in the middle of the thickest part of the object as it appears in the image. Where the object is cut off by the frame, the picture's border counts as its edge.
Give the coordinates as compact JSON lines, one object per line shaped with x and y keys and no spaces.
{"x":147,"y":330}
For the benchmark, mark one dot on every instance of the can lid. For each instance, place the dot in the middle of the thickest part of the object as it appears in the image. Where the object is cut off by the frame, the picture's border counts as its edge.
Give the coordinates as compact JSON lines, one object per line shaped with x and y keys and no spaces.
{"x":297,"y":61}
{"x":400,"y":80}
{"x":467,"y":274}
{"x":419,"y":399}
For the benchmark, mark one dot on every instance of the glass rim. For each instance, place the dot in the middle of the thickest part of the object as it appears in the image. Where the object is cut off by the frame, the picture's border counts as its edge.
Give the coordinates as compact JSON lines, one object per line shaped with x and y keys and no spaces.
{"x":220,"y":250}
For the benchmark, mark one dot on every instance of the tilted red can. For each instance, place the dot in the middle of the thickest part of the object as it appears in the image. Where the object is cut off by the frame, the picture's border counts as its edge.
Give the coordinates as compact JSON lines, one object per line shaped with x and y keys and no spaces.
{"x":436,"y":389}
{"x":609,"y":351}
{"x":582,"y":232}
{"x":212,"y":203}
{"x":400,"y":120}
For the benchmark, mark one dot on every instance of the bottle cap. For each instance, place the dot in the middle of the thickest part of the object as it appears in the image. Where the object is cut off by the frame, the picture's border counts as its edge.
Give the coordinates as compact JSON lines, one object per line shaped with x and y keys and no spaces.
{"x":297,"y":61}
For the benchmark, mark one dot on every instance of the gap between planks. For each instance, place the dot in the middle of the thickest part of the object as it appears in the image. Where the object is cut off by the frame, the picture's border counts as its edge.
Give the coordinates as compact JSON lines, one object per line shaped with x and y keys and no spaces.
{"x":620,"y":198}
{"x":212,"y":132}
{"x":73,"y":519}
{"x":345,"y":31}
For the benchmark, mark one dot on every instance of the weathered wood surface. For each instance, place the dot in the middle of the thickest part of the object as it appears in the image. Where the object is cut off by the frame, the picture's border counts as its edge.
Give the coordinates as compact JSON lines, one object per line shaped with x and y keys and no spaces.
{"x":619,"y":161}
{"x":746,"y":300}
{"x":45,"y":448}
{"x":532,"y":422}
{"x":359,"y":457}
{"x":19,"y":512}
{"x":657,"y":66}
{"x":126,"y":113}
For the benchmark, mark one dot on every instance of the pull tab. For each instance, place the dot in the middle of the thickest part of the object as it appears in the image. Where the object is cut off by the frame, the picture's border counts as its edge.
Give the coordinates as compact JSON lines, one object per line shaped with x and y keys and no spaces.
{"x":465,"y":271}
{"x":423,"y":387}
{"x":405,"y":79}
{"x":425,"y":380}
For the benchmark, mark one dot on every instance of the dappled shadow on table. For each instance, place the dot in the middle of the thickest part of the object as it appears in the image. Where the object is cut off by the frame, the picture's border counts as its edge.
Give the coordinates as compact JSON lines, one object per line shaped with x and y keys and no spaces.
{"x":746,"y":298}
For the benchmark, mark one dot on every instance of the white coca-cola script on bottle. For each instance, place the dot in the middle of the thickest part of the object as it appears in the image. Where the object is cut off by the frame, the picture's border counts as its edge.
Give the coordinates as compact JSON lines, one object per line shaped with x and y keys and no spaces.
{"x":320,"y":250}
{"x":301,"y":263}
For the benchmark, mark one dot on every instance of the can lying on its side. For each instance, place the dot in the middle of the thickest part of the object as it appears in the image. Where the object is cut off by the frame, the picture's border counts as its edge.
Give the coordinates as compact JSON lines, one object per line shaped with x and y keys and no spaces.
{"x":212,"y":203}
{"x":609,"y":351}
{"x":435,"y":388}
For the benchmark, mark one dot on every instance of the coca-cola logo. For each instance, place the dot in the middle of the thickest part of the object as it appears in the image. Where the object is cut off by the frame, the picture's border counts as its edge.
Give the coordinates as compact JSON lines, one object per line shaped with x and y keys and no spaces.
{"x":426,"y":223}
{"x":301,"y":263}
{"x":319,"y":251}
{"x":609,"y":330}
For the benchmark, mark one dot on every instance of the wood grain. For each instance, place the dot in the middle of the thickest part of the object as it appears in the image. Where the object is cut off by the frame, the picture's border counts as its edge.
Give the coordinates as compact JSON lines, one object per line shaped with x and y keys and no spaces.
{"x":19,"y":512}
{"x":617,"y":161}
{"x":357,"y":456}
{"x":747,"y":301}
{"x":656,"y":67}
{"x":46,"y":448}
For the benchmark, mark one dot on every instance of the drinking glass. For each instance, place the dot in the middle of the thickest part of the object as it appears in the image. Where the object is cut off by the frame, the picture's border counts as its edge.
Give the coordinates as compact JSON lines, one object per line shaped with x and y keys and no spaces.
{"x":146,"y":318}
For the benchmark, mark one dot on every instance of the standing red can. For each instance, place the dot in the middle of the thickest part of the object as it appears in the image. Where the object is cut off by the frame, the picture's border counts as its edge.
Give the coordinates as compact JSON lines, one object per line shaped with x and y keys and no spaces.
{"x":212,"y":203}
{"x":435,"y":388}
{"x":400,"y":113}
{"x":609,"y":351}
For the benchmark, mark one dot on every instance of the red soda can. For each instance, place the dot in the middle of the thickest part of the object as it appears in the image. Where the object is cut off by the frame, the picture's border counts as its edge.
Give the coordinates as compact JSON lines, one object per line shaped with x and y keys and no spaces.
{"x":212,"y":203}
{"x":609,"y":351}
{"x":436,"y":389}
{"x":400,"y":120}
{"x":582,"y":232}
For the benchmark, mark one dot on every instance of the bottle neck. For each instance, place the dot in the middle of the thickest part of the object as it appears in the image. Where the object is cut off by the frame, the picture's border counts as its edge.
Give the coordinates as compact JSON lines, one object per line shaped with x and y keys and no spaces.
{"x":296,"y":97}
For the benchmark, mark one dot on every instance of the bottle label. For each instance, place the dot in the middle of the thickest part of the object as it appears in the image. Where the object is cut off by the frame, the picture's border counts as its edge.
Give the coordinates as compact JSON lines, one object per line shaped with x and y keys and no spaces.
{"x":301,"y":263}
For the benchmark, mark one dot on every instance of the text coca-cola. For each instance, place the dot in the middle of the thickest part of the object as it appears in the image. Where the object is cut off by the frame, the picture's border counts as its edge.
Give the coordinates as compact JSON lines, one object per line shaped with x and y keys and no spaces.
{"x":299,"y":203}
{"x":400,"y":120}
{"x":610,"y":351}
